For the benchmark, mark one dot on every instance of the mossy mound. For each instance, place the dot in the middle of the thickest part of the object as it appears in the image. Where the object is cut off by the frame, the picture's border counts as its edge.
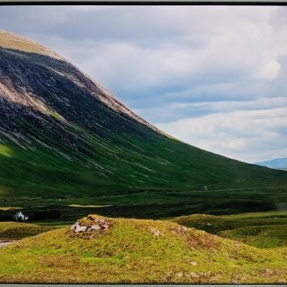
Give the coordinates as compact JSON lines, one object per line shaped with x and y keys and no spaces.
{"x":137,"y":251}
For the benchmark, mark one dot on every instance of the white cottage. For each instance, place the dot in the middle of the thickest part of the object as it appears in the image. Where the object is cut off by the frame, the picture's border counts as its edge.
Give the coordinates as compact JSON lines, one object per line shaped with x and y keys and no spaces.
{"x":19,"y":216}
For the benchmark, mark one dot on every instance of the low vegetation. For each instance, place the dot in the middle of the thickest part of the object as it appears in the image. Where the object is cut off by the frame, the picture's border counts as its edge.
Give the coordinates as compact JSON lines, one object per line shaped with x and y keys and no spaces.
{"x":261,"y":229}
{"x":13,"y":41}
{"x":16,"y":230}
{"x":145,"y":203}
{"x":138,"y":251}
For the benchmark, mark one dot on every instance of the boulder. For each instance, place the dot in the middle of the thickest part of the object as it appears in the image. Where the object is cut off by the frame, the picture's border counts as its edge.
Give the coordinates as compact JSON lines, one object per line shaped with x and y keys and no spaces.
{"x":155,"y":231}
{"x":79,"y":228}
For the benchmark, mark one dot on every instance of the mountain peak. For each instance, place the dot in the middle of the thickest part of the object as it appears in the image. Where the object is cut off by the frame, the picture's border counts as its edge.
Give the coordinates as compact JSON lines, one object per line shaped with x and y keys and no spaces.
{"x":13,"y":41}
{"x":35,"y":56}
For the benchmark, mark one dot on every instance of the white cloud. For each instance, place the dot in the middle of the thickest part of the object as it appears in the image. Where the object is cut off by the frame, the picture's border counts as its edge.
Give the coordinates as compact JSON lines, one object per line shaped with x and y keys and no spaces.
{"x":248,"y":135}
{"x":269,"y":70}
{"x":150,"y":46}
{"x":240,"y":43}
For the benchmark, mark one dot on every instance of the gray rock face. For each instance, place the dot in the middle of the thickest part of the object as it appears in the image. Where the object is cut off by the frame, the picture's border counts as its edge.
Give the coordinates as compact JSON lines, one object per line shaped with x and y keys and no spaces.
{"x":43,"y":88}
{"x":79,"y":228}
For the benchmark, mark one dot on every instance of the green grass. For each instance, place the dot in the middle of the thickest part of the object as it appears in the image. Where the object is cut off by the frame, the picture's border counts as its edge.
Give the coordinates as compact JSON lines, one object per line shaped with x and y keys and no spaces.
{"x":16,"y":230}
{"x":43,"y":177}
{"x":130,"y":252}
{"x":156,"y":204}
{"x":263,"y":229}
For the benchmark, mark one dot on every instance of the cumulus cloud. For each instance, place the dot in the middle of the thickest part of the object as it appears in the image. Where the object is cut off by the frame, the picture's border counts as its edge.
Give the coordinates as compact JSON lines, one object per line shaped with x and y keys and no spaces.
{"x":248,"y":135}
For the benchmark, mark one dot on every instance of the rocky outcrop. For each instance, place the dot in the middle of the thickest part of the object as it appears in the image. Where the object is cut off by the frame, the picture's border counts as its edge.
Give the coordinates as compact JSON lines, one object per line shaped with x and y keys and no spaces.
{"x":155,"y":231}
{"x":91,"y":223}
{"x":37,"y":78}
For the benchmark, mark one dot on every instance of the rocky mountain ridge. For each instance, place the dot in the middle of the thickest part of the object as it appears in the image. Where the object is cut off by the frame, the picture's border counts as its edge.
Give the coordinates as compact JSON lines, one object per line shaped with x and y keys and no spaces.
{"x":23,"y":93}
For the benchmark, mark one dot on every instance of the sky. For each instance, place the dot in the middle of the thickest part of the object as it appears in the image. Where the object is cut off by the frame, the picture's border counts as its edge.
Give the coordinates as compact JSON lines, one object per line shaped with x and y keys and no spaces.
{"x":212,"y":76}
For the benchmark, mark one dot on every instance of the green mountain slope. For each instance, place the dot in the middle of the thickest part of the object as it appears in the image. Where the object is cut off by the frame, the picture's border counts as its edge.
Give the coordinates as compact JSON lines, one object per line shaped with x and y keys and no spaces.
{"x":62,"y":135}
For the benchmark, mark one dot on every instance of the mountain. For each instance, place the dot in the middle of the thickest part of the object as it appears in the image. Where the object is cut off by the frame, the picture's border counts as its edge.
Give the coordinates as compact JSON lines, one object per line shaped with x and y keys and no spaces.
{"x":278,"y":163}
{"x":64,"y":137}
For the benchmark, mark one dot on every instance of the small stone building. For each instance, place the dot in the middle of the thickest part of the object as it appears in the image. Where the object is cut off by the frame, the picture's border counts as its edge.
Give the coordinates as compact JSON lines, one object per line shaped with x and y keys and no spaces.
{"x":19,"y":216}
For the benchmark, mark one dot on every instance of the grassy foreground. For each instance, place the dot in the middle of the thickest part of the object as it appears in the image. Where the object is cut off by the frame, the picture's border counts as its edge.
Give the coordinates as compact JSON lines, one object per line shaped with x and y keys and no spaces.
{"x":138,"y":251}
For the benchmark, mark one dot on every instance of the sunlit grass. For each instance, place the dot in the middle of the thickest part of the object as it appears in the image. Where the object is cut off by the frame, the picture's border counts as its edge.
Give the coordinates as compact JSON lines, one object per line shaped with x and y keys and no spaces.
{"x":131,"y":252}
{"x":88,"y":206}
{"x":5,"y":151}
{"x":9,"y":40}
{"x":259,"y":229}
{"x":18,"y":230}
{"x":10,"y":207}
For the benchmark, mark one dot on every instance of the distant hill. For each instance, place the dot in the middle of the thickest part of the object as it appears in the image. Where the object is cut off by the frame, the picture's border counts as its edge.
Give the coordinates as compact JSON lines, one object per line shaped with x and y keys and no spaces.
{"x":278,"y":163}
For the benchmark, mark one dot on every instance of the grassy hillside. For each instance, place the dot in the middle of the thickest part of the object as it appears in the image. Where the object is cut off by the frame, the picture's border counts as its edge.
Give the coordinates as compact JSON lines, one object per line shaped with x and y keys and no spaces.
{"x":138,"y":251}
{"x":10,"y":40}
{"x":162,"y":178}
{"x":118,"y":164}
{"x":15,"y":230}
{"x":261,"y":229}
